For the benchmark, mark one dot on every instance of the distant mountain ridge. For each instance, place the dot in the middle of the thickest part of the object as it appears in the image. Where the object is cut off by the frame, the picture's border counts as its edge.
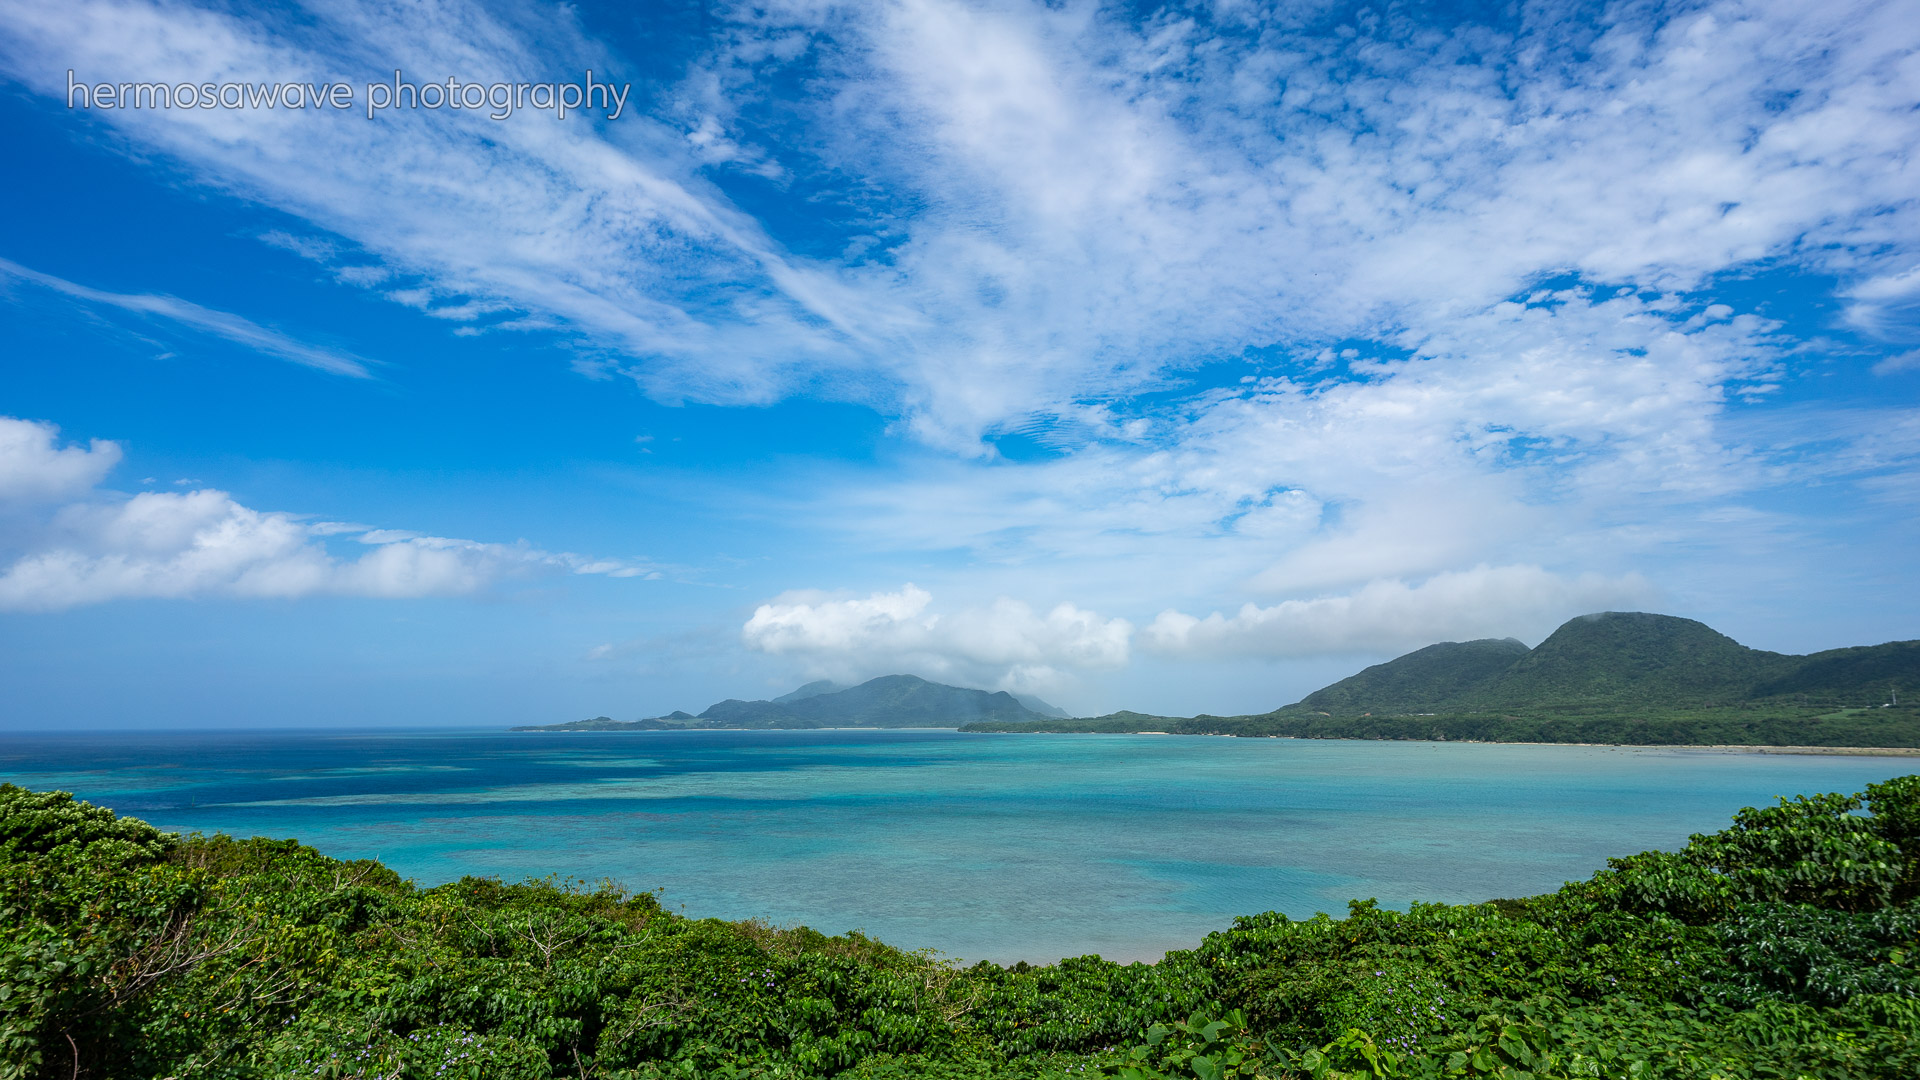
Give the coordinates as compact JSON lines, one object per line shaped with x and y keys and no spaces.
{"x":890,"y":701}
{"x":1616,"y":659}
{"x":1574,"y":686}
{"x":1617,"y":677}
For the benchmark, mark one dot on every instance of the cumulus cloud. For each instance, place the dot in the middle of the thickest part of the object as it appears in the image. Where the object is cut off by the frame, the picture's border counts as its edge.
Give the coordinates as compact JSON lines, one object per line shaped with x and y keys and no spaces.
{"x":34,"y":466}
{"x":1006,"y":645}
{"x":1391,"y":616}
{"x":204,"y":543}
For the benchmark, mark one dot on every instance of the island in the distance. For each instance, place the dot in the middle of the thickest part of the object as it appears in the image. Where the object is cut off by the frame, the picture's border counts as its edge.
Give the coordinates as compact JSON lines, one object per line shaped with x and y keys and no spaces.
{"x":890,"y":701}
{"x":1613,"y":677}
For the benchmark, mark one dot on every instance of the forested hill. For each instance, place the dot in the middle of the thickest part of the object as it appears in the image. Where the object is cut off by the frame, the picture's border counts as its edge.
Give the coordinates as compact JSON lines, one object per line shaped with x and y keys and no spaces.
{"x":1612,"y":677}
{"x":891,"y":701}
{"x":1615,"y":660}
{"x":1449,"y":670}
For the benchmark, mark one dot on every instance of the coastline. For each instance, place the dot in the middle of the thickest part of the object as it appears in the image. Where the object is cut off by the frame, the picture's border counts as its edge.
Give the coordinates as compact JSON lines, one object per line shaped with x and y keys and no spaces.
{"x":1723,"y":748}
{"x":1846,"y":751}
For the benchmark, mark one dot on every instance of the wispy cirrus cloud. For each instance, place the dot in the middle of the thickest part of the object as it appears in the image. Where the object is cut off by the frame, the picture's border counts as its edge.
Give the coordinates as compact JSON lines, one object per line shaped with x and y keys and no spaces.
{"x":222,"y":324}
{"x":1060,"y":203}
{"x":534,"y":215}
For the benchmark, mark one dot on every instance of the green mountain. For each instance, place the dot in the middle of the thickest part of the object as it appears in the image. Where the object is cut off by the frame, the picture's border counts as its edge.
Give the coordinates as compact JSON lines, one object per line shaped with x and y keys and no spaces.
{"x":1634,"y":658}
{"x":888,"y":701}
{"x":1864,"y":674}
{"x":1443,"y":672}
{"x":891,"y":701}
{"x":812,"y":689}
{"x":1617,"y":660}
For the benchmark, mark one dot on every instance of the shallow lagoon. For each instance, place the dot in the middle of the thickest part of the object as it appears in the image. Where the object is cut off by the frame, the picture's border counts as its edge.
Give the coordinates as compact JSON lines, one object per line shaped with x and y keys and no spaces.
{"x":998,"y":847}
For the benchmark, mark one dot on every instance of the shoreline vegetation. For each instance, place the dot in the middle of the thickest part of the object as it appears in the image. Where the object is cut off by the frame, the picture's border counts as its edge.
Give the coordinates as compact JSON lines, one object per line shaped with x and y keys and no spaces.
{"x":1723,"y":748}
{"x":1606,"y":679}
{"x":1786,"y":945}
{"x":1815,"y":728}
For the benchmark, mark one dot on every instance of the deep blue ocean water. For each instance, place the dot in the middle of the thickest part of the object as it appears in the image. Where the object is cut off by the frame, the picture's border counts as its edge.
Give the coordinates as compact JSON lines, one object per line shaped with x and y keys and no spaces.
{"x":997,"y":847}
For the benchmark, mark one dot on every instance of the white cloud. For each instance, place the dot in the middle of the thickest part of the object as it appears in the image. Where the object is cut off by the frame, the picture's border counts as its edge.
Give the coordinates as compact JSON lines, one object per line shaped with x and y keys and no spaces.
{"x":1050,"y":209}
{"x":1104,"y":198}
{"x":315,"y":248}
{"x":1887,"y":306}
{"x":222,"y":324}
{"x":531,"y":213}
{"x":1906,"y":361}
{"x":204,"y":543}
{"x":1580,"y":418}
{"x":1006,"y":645}
{"x":1392,"y":616}
{"x":1060,"y":204}
{"x":34,"y":466}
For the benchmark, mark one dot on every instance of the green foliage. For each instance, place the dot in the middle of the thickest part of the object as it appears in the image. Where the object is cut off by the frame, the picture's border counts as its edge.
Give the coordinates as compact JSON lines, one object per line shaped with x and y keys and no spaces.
{"x":1769,"y":725}
{"x":1803,"y":953}
{"x":1782,"y":946}
{"x":1803,"y":851}
{"x":1198,"y":1047}
{"x":41,"y":822}
{"x":1896,"y":812}
{"x":1863,"y":675}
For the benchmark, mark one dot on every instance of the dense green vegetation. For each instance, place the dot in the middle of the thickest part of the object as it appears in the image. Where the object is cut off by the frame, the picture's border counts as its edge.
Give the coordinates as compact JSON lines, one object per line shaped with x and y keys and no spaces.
{"x":1759,"y":725}
{"x":1784,"y":946}
{"x":890,"y":701}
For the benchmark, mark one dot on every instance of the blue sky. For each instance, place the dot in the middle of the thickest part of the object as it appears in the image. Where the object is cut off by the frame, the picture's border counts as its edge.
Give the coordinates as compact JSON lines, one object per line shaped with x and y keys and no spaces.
{"x":1173,"y":358}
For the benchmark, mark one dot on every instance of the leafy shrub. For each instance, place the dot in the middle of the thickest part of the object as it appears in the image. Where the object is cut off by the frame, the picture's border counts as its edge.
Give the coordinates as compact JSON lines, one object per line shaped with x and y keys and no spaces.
{"x":1782,"y":946}
{"x":39,"y":823}
{"x":1820,"y":957}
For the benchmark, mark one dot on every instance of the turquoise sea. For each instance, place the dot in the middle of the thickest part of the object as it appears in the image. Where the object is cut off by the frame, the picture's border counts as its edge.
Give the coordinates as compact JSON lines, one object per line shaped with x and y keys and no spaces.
{"x":996,"y":847}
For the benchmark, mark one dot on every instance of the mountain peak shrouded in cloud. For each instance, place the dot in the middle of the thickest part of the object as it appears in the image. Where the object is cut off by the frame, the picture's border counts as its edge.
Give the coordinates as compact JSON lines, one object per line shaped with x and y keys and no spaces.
{"x":1070,"y":350}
